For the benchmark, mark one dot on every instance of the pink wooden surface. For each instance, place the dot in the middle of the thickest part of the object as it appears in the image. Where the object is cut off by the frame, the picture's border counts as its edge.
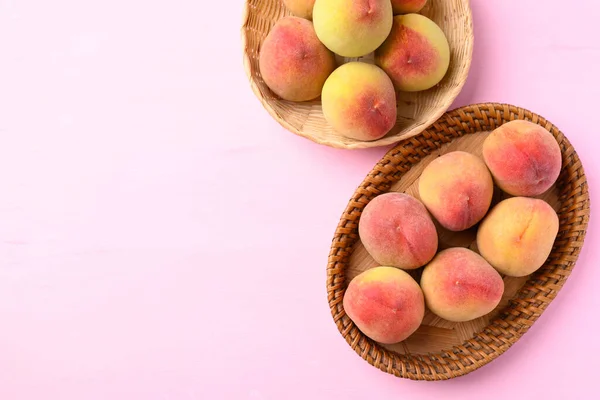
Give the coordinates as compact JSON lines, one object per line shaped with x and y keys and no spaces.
{"x":161,"y":237}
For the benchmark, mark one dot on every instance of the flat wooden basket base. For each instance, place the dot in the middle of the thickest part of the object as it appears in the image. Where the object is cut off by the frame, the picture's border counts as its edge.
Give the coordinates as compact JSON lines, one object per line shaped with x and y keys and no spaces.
{"x":442,"y":349}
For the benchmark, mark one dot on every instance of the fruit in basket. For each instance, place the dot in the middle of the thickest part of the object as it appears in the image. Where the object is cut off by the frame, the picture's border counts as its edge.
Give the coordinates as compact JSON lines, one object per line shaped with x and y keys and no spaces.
{"x":300,"y":8}
{"x":293,"y":62}
{"x":385,"y":303}
{"x":517,"y":236}
{"x":352,"y":28}
{"x":457,"y":189}
{"x":359,"y":101}
{"x":407,"y":6}
{"x":397,"y":231}
{"x":523,"y":157}
{"x":416,"y":55}
{"x":459,"y":285}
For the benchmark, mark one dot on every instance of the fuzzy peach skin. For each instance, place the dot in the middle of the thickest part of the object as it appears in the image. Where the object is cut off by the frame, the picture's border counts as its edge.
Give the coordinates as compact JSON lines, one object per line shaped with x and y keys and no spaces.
{"x":517,"y":236}
{"x":416,"y":55}
{"x":352,"y":28}
{"x":385,"y":303}
{"x":396,"y":230}
{"x":300,"y":8}
{"x":524,"y":158}
{"x":457,"y":189}
{"x":293,"y":62}
{"x":359,"y":101}
{"x":407,"y":6}
{"x":459,"y":285}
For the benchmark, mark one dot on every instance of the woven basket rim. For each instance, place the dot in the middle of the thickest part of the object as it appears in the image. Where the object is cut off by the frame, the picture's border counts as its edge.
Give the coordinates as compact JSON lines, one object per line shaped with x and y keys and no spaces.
{"x":386,"y":140}
{"x":529,"y":303}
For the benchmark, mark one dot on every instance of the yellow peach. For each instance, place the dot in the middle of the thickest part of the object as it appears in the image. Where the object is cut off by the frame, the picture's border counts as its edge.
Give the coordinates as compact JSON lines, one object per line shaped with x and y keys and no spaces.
{"x":359,"y":101}
{"x":352,"y":28}
{"x":517,"y":236}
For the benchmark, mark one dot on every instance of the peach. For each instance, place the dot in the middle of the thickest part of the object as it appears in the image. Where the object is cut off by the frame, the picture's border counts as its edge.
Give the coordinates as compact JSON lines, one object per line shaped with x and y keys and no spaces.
{"x":459,"y":285}
{"x":385,"y":303}
{"x":293,"y":62}
{"x":352,"y":28}
{"x":416,"y":55}
{"x":523,"y":157}
{"x":517,"y":236}
{"x":359,"y":101}
{"x":457,"y":189}
{"x":407,"y":6}
{"x":300,"y":8}
{"x":397,"y":231}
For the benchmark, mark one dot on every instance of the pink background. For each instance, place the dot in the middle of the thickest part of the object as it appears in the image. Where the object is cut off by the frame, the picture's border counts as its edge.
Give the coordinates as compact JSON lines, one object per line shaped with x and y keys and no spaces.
{"x":154,"y":218}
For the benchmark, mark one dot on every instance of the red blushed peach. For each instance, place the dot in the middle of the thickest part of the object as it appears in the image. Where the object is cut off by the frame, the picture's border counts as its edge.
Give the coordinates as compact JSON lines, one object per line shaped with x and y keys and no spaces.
{"x":359,"y":101}
{"x":385,"y":303}
{"x":397,"y":231}
{"x":293,"y":63}
{"x":352,"y":28}
{"x":457,"y":189}
{"x":517,"y":236}
{"x":459,"y":285}
{"x":523,"y":157}
{"x":416,"y":54}
{"x":407,"y":6}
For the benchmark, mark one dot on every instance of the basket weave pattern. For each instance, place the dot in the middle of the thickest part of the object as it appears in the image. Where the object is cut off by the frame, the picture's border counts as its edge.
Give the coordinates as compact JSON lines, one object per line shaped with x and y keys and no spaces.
{"x":529,"y":303}
{"x":416,"y":111}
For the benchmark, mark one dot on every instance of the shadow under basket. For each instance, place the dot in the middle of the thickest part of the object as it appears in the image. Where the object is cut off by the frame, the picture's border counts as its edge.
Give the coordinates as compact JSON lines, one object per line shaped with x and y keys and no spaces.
{"x":440,"y":349}
{"x":416,"y":111}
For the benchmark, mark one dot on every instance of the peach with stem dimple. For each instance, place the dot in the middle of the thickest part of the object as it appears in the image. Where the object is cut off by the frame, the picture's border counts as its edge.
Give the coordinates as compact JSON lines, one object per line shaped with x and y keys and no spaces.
{"x":359,"y":101}
{"x":293,"y":62}
{"x":396,"y":230}
{"x":352,"y":28}
{"x":385,"y":303}
{"x":416,"y":55}
{"x":517,"y":236}
{"x":459,"y":285}
{"x":457,"y":189}
{"x":523,"y":157}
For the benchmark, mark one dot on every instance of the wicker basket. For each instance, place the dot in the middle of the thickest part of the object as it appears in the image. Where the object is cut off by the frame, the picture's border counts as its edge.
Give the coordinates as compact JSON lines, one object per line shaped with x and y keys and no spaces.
{"x":416,"y":111}
{"x":440,"y":349}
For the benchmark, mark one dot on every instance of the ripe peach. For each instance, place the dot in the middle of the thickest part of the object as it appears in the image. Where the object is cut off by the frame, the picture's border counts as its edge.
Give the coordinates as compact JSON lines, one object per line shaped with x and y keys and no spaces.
{"x":408,"y":6}
{"x":300,"y":8}
{"x":517,"y":236}
{"x":523,"y":157}
{"x":385,"y":303}
{"x":397,"y":231}
{"x":293,"y":63}
{"x":359,"y":101}
{"x":352,"y":28}
{"x":457,"y":189}
{"x":459,"y":285}
{"x":416,"y":55}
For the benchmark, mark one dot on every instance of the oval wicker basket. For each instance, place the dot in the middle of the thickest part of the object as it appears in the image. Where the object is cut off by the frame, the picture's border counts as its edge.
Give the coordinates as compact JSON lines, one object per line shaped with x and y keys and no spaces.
{"x":416,"y":111}
{"x":440,"y":349}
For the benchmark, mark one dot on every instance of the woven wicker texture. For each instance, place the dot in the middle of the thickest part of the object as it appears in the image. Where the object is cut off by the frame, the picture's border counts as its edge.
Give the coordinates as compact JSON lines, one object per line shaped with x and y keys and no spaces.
{"x":440,"y":349}
{"x":416,"y":111}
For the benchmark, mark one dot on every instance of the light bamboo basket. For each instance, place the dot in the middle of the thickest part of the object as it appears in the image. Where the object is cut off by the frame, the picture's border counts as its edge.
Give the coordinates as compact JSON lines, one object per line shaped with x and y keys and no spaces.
{"x":416,"y":111}
{"x":441,"y":349}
